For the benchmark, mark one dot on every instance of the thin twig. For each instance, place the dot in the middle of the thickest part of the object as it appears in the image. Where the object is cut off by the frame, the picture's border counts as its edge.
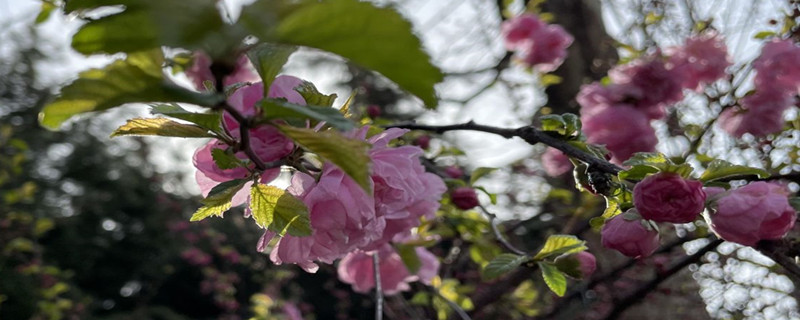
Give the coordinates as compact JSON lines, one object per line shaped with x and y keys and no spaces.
{"x":376,"y":270}
{"x":530,"y":134}
{"x":502,"y":239}
{"x":244,"y":136}
{"x":460,"y":311}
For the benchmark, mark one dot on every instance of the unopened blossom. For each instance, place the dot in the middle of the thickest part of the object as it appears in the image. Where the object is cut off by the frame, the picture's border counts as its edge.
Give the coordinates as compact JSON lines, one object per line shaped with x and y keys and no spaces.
{"x":454,"y":172}
{"x":759,"y":114}
{"x":555,"y":162}
{"x":701,"y":60}
{"x":623,"y":130}
{"x":668,"y":197}
{"x":540,"y":45}
{"x":757,"y":211}
{"x":587,"y":263}
{"x":342,"y":218}
{"x":631,"y":238}
{"x":200,"y":71}
{"x":464,"y":198}
{"x":357,"y":269}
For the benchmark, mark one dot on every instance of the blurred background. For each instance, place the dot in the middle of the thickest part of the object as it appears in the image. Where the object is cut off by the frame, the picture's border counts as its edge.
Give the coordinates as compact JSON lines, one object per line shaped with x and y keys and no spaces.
{"x":95,"y":228}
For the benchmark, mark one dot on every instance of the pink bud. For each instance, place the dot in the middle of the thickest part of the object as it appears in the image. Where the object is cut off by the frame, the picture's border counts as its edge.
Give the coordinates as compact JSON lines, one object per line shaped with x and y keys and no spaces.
{"x":630,"y":238}
{"x":464,"y":198}
{"x":454,"y":172}
{"x":757,"y":211}
{"x":588,"y":263}
{"x":423,"y":142}
{"x":667,"y":197}
{"x":373,"y":111}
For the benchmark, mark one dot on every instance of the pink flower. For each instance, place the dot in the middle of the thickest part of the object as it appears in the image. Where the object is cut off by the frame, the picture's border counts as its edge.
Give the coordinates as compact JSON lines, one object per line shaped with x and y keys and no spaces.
{"x":630,"y":238}
{"x":588,"y":263}
{"x":778,"y":66}
{"x":658,"y":85}
{"x":454,"y":172}
{"x":266,"y":141}
{"x":342,"y":219}
{"x":702,"y":60}
{"x":357,"y":269}
{"x":542,"y":46}
{"x":555,"y":162}
{"x":761,"y":113}
{"x":200,"y":71}
{"x":596,"y":97}
{"x":667,"y":197}
{"x":757,"y":211}
{"x":623,"y":130}
{"x":464,"y":198}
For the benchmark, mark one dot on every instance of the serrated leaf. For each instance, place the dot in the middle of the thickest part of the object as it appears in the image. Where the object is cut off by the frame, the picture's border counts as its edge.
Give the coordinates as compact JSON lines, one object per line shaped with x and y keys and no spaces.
{"x":268,"y":59}
{"x":345,"y":109}
{"x":479,"y":173}
{"x":376,"y":38}
{"x":224,"y":159}
{"x":279,"y":211}
{"x":554,"y":279}
{"x":719,"y":169}
{"x":160,"y":127}
{"x":146,"y":24}
{"x":138,"y":78}
{"x":218,"y":200}
{"x":348,"y":154}
{"x":210,"y":121}
{"x":279,"y":109}
{"x":210,"y":210}
{"x":653,"y":159}
{"x":408,"y":254}
{"x":637,"y":172}
{"x":313,"y":97}
{"x":503,"y":264}
{"x":559,"y":244}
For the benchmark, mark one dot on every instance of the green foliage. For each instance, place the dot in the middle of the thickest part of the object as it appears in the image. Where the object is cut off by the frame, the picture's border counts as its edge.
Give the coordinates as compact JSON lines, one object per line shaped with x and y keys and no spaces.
{"x":277,"y":210}
{"x":559,"y":244}
{"x":225,"y":159}
{"x":280,"y":109}
{"x":566,"y":125}
{"x":503,"y":264}
{"x":138,"y":78}
{"x":218,"y":200}
{"x":479,"y":173}
{"x":409,"y":256}
{"x":348,"y":154}
{"x":720,"y":169}
{"x":376,"y":38}
{"x":554,"y":279}
{"x":268,"y":59}
{"x":160,"y":127}
{"x":210,"y":121}
{"x":313,"y":97}
{"x":644,"y":163}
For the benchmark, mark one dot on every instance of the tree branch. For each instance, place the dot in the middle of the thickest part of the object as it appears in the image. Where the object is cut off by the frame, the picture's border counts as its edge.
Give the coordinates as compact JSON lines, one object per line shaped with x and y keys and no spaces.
{"x":378,"y":290}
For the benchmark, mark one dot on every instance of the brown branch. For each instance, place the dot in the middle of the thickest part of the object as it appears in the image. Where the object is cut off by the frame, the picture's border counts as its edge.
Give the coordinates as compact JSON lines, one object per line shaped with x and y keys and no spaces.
{"x":778,"y":251}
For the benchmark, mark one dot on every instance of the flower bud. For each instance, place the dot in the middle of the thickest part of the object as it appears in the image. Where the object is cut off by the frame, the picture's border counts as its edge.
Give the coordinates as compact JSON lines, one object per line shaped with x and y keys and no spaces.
{"x":755,"y":212}
{"x":631,"y":238}
{"x":588,"y":263}
{"x":454,"y":172}
{"x":464,"y":198}
{"x":373,"y":111}
{"x":667,"y":197}
{"x":423,"y":142}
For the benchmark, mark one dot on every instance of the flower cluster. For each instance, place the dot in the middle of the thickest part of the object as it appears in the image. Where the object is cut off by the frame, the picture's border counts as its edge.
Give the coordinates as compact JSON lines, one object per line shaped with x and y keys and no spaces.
{"x":776,"y":81}
{"x":618,"y":114}
{"x":542,"y":46}
{"x":200,"y":71}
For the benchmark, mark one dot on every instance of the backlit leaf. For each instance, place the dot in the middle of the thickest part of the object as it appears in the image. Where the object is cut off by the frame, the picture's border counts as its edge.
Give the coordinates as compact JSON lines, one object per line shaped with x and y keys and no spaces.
{"x":160,"y":127}
{"x":277,"y":210}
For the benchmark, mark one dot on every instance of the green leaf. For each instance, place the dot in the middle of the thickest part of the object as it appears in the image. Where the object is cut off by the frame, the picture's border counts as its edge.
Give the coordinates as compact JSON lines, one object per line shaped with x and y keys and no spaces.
{"x":795,"y":203}
{"x":574,"y":124}
{"x":210,"y":121}
{"x":348,"y":154}
{"x":492,"y":196}
{"x":160,"y":127}
{"x":637,"y":172}
{"x":719,"y":169}
{"x":135,"y":79}
{"x":376,"y":38}
{"x":45,"y":12}
{"x":146,"y":24}
{"x":554,"y":123}
{"x":653,"y":159}
{"x":570,"y":266}
{"x":503,"y":264}
{"x":269,"y":58}
{"x":554,"y":279}
{"x":279,"y":109}
{"x":225,"y":159}
{"x":279,"y":211}
{"x":218,"y":200}
{"x":559,"y":244}
{"x":764,"y":34}
{"x":479,"y":173}
{"x":313,"y":97}
{"x":408,"y":254}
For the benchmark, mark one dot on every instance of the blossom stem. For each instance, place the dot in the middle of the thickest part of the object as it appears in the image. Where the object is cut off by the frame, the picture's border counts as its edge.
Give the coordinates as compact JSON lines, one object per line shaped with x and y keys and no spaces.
{"x":378,"y":290}
{"x":244,"y":133}
{"x":530,"y":134}
{"x":498,"y":235}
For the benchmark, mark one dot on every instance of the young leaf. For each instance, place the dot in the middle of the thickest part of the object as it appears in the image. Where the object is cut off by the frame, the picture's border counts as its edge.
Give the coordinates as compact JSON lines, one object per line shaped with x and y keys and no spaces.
{"x":554,"y":123}
{"x":559,"y":244}
{"x":653,"y":159}
{"x":409,"y":256}
{"x":479,"y":173}
{"x":348,"y":154}
{"x":269,"y":58}
{"x":160,"y":127}
{"x":138,"y":78}
{"x":224,"y":159}
{"x":279,"y":109}
{"x":719,"y":169}
{"x":637,"y":172}
{"x":554,"y":279}
{"x":313,"y":97}
{"x":277,"y":210}
{"x":210,"y":121}
{"x":502,"y":264}
{"x":216,"y":209}
{"x":218,"y":200}
{"x":570,"y":266}
{"x":376,"y":38}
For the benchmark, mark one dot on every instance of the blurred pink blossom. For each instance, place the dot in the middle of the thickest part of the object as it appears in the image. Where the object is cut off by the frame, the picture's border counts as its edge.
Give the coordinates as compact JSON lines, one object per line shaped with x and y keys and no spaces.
{"x":658,"y":86}
{"x":757,"y":211}
{"x":555,"y":162}
{"x":200,"y":71}
{"x":760,"y":114}
{"x":542,"y":46}
{"x":623,"y":130}
{"x":357,"y":269}
{"x":702,"y":60}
